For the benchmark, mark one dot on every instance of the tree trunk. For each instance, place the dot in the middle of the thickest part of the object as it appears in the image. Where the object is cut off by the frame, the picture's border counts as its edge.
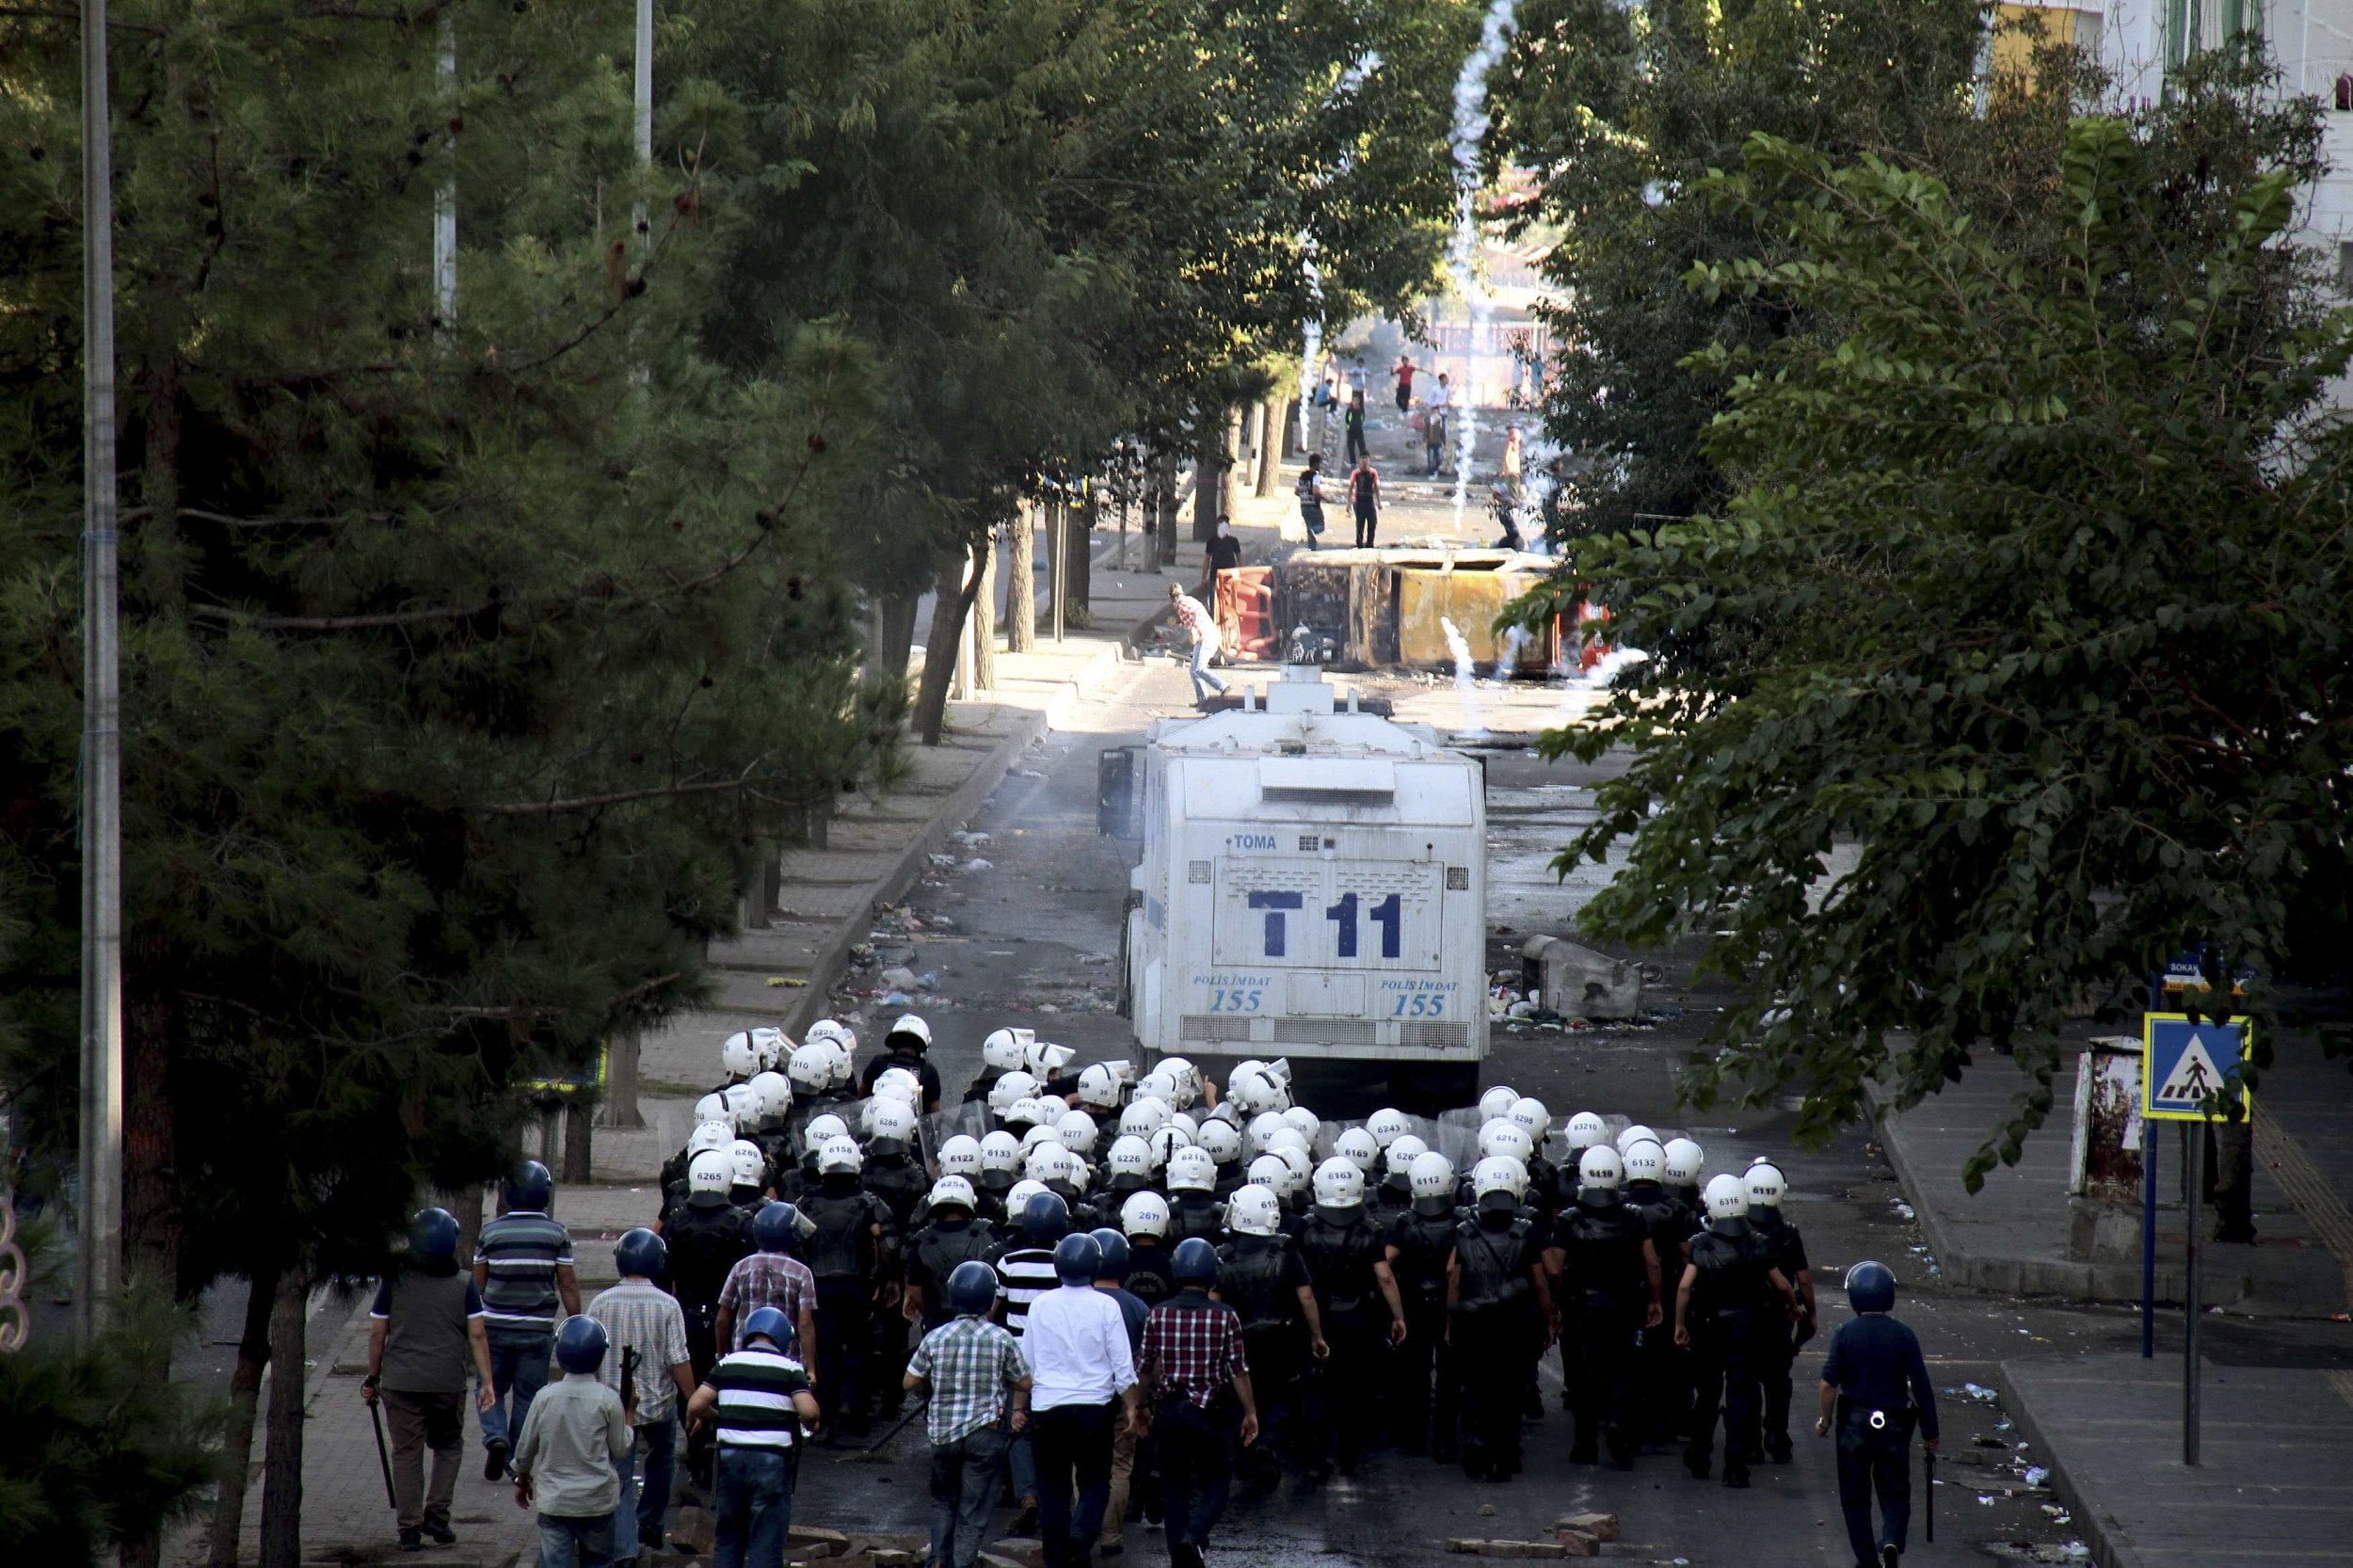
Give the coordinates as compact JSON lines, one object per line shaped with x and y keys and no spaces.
{"x":985,"y":617}
{"x":618,"y":1108}
{"x":951,"y":603}
{"x":1231,"y":471}
{"x":893,"y":634}
{"x":237,"y":1445}
{"x":1209,"y":478}
{"x":1273,"y":413}
{"x":1078,"y":561}
{"x":151,"y":1204}
{"x":1161,"y":513}
{"x":1021,"y":582}
{"x":466,"y":1202}
{"x":579,"y":1140}
{"x":281,"y":1475}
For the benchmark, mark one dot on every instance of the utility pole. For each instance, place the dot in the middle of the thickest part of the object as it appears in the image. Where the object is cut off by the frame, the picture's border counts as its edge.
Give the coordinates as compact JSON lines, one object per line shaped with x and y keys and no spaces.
{"x":645,"y":118}
{"x":446,"y":195}
{"x":99,"y":1210}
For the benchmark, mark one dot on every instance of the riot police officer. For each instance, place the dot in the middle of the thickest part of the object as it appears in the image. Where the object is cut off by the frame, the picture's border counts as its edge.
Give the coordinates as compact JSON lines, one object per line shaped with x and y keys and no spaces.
{"x":907,"y":1046}
{"x":1394,"y":1196}
{"x":1362,"y":1313}
{"x":894,"y":1174}
{"x":1729,"y":1309}
{"x":1875,"y":1391}
{"x":1786,"y":1249}
{"x":1662,"y":1375}
{"x":1420,"y":1245}
{"x":1001,"y":1052}
{"x":950,"y":1235}
{"x":849,"y":1253}
{"x":1606,"y":1274}
{"x":1498,"y":1318}
{"x":1193,"y":1209}
{"x":1261,"y":1276}
{"x":706,"y":1235}
{"x":1144,"y":1219}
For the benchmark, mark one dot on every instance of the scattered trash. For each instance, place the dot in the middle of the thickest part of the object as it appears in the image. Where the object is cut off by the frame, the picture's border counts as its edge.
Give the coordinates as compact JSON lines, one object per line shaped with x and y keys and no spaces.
{"x":970,"y":840}
{"x":1984,"y":1500}
{"x":977,"y":864}
{"x":928,"y":980}
{"x":1903,"y":1210}
{"x":897,"y":978}
{"x":945,"y":863}
{"x":1981,"y":1393}
{"x":898,"y":998}
{"x":2036,"y":1475}
{"x":1028,"y":773}
{"x":795,"y":982}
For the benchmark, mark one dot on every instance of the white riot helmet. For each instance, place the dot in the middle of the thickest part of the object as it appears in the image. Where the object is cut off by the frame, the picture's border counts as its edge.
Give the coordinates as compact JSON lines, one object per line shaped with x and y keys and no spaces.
{"x":1304,"y":1120}
{"x":1339,"y":1184}
{"x":1241,"y":1070}
{"x":710,"y":1171}
{"x":1009,"y":1091}
{"x":1263,"y":1127}
{"x":907,"y":1023}
{"x":1162,"y":1085}
{"x":1401,"y":1153}
{"x":809,"y":1067}
{"x":1764,"y":1185}
{"x":837,"y":1156}
{"x":1220,"y":1140}
{"x":1167,"y":1144}
{"x":1038,"y":1137}
{"x":748,"y":1163}
{"x":1255,"y":1211}
{"x":1503,"y":1140}
{"x":1633,"y":1133}
{"x":1497,"y":1102}
{"x":1388,"y":1125}
{"x":776,"y":1096}
{"x":1289,"y":1137}
{"x":1048,"y":1161}
{"x":897,"y":1083}
{"x":894,"y":1122}
{"x":1191,"y":1127}
{"x":707,"y":1136}
{"x":1585,"y":1129}
{"x":1727,"y":1198}
{"x":714,"y":1107}
{"x":743,"y":1107}
{"x":1076,"y":1129}
{"x":1646,"y":1162}
{"x":829,"y":1032}
{"x":737,"y":1055}
{"x":1001,"y":1151}
{"x":1018,"y":1198}
{"x":1357,"y":1148}
{"x":960,"y":1155}
{"x":1045,"y":1059}
{"x":841,"y":1057}
{"x":1301,"y":1164}
{"x":866,"y":1110}
{"x":1130,"y":1157}
{"x":1529,"y":1116}
{"x":772,"y":1047}
{"x":1683,"y":1161}
{"x":1433,"y":1175}
{"x":823,"y":1129}
{"x":1600,"y":1170}
{"x":1005,"y":1050}
{"x":1145,"y":1115}
{"x":1496,"y":1174}
{"x":1098,"y":1086}
{"x":1272,"y":1172}
{"x":1033,"y":1112}
{"x":952,"y":1192}
{"x":1257,"y":1093}
{"x":1144,"y":1214}
{"x":1188,"y":1077}
{"x":1192,"y":1171}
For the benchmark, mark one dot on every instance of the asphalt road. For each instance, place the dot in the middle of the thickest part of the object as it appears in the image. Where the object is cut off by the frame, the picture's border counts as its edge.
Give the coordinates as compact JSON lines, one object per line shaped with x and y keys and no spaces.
{"x":1033,"y":940}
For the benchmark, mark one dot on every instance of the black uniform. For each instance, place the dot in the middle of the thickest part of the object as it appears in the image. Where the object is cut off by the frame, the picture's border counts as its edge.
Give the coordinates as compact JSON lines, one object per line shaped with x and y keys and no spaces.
{"x":849,"y":1255}
{"x":933,"y":1252}
{"x":1192,"y":1214}
{"x":1341,"y":1248}
{"x":705,"y":1241}
{"x":1149,"y":1279}
{"x":1603,"y":1296}
{"x":991,"y":1189}
{"x":1662,"y":1372}
{"x":1883,"y":1392}
{"x":1392,"y":1197}
{"x":1259,"y":1276}
{"x":983,"y":1084}
{"x":1735,"y":1318}
{"x":1420,"y":1243}
{"x":1786,"y":1249}
{"x":915,"y":1061}
{"x":1498,"y":1331}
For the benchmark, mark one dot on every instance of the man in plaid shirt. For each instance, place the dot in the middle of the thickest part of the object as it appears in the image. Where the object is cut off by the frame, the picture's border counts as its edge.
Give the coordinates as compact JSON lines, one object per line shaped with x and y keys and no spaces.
{"x":646,"y":1331}
{"x":771,"y":1277}
{"x":1192,"y":1356}
{"x":980,"y":1388}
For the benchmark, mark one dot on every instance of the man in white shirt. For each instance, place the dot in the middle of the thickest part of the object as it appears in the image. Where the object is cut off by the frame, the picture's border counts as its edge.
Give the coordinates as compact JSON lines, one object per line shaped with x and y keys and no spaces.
{"x":1081,"y":1369}
{"x":1195,"y":618}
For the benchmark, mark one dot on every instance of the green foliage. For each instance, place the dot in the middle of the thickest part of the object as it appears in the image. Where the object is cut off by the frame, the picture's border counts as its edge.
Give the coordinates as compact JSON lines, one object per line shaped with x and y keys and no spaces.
{"x":93,"y":1450}
{"x":2017,"y":661}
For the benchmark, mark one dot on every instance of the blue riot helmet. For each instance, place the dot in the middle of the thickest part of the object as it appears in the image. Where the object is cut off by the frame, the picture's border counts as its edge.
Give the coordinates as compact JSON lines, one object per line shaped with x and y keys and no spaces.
{"x":972,"y":1288}
{"x":530,"y":1187}
{"x":1114,"y":1247}
{"x":777,"y":1227}
{"x":581,"y":1344}
{"x":641,"y":1252}
{"x":1870,"y":1287}
{"x":433,"y":1233}
{"x":1193,"y":1262}
{"x":769,"y":1323}
{"x":1079,"y":1259}
{"x":1046,"y":1221}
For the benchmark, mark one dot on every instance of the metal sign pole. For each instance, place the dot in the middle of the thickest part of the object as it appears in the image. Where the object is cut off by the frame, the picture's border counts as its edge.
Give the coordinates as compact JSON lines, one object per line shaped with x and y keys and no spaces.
{"x":2148,"y":1238}
{"x":2197,"y":1165}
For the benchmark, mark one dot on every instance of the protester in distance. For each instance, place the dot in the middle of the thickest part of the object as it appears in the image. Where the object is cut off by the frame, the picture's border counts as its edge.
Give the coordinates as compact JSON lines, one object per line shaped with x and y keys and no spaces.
{"x":1224,"y":554}
{"x":1194,"y":620}
{"x":979,"y":1388}
{"x":567,"y":1454}
{"x":522,"y":1265}
{"x":423,"y":1331}
{"x":1875,"y":1391}
{"x":1196,"y":1378}
{"x":1075,"y":1343}
{"x":756,"y":1402}
{"x":1311,"y":493}
{"x":1364,"y":500}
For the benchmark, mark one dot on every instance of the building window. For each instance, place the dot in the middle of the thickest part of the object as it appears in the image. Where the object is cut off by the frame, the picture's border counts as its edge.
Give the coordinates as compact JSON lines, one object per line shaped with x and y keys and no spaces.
{"x":2191,"y":25}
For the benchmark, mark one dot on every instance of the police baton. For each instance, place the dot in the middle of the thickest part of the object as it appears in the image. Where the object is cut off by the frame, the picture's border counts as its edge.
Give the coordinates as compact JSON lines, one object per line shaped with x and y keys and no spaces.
{"x":1927,"y":1504}
{"x":375,"y":1418}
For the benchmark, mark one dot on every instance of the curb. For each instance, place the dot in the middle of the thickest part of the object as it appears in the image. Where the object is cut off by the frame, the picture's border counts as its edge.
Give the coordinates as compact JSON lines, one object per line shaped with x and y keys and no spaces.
{"x":2106,"y":1550}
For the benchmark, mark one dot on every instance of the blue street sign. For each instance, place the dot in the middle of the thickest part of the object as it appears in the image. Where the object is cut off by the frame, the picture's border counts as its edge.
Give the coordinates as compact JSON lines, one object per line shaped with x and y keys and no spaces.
{"x":2185,"y":1066}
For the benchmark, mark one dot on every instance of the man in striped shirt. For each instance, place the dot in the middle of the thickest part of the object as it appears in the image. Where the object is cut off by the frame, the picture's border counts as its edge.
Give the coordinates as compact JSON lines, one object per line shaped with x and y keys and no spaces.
{"x":759,"y":1399}
{"x":522,"y":1265}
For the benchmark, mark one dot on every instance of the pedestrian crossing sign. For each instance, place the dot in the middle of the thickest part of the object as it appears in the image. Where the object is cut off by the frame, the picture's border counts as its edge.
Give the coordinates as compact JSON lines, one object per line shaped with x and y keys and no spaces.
{"x":2186,"y":1066}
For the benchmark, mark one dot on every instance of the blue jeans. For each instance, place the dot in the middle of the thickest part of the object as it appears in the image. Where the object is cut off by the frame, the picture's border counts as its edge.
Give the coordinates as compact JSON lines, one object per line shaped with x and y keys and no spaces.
{"x":519,"y":1364}
{"x":754,"y":1508}
{"x":640,"y":1518}
{"x":964,"y":1489}
{"x":1204,"y":680}
{"x":559,"y":1536}
{"x":1021,"y":1463}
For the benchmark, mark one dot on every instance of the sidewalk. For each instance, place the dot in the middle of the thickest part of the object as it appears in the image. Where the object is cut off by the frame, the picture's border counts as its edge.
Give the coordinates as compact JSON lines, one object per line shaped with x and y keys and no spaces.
{"x":2013,"y":1237}
{"x":2269,"y":1490}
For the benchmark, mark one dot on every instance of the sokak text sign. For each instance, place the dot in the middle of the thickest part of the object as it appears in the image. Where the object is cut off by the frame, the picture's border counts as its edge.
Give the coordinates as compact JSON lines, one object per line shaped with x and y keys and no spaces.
{"x":2186,"y":1066}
